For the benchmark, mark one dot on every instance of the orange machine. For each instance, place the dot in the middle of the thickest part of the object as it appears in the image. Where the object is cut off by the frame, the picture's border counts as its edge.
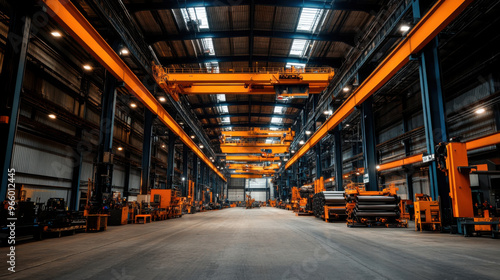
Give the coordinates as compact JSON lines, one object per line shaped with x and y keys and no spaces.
{"x":249,"y":201}
{"x":454,"y":162}
{"x":295,"y":199}
{"x":272,"y":203}
{"x":166,"y":204}
{"x":370,"y":208}
{"x":427,"y":215}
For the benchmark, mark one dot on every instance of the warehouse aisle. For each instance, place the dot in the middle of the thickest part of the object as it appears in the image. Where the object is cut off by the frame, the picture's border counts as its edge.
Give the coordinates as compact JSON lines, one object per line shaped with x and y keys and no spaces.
{"x":264,"y":243}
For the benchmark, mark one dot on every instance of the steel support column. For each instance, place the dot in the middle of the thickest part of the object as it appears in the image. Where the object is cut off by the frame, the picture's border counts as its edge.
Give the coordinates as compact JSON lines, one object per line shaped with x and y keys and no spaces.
{"x":434,"y":116}
{"x":170,"y":159}
{"x":75,"y":178}
{"x":195,"y":176}
{"x":407,"y":144}
{"x":185,"y":173}
{"x":11,"y":81}
{"x":104,"y":170}
{"x":338,"y":159}
{"x":146,"y":151}
{"x":126,"y":181}
{"x":369,"y":144}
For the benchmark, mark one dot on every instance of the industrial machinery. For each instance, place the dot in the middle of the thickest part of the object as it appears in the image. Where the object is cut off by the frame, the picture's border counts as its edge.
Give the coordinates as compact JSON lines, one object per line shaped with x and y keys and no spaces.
{"x":249,"y":202}
{"x":295,"y":199}
{"x":188,"y":203}
{"x":166,"y":204}
{"x":372,"y":208}
{"x":306,"y":194}
{"x":452,"y":159}
{"x":427,"y":214}
{"x":329,"y":205}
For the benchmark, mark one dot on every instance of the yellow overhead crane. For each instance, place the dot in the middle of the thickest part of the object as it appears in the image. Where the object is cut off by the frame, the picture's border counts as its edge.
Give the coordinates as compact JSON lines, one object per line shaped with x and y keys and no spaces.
{"x":254,"y":148}
{"x":254,"y":167}
{"x":288,"y":83}
{"x":252,"y":158}
{"x":285,"y":135}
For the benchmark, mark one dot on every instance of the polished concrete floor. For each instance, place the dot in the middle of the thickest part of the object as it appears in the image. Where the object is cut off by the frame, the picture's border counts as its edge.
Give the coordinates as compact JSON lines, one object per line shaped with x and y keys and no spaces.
{"x":264,"y":243}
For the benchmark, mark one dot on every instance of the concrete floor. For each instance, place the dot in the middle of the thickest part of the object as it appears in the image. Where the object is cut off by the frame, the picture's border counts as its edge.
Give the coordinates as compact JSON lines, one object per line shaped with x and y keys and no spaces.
{"x":264,"y":243}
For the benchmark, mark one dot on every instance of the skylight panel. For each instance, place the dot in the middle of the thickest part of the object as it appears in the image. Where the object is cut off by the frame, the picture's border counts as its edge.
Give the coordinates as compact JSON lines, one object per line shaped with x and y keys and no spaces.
{"x":223,"y":109}
{"x":276,"y":120}
{"x":226,"y":120}
{"x":309,"y":19}
{"x":298,"y":47}
{"x":198,"y":14}
{"x":278,"y":109}
{"x":296,"y":65}
{"x":208,"y":46}
{"x":221,"y":98}
{"x":212,"y":67}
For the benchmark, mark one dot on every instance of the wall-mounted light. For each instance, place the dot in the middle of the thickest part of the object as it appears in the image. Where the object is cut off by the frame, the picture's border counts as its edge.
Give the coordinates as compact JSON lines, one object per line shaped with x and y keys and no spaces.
{"x":120,"y":148}
{"x":163,"y":146}
{"x":378,"y":167}
{"x":183,"y":179}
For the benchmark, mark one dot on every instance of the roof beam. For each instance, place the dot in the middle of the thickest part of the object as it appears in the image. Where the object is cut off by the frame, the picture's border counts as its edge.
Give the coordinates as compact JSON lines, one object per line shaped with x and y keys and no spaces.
{"x":438,"y":17}
{"x":332,"y":37}
{"x":246,"y":103}
{"x":329,"y":61}
{"x":252,"y":114}
{"x":317,"y":4}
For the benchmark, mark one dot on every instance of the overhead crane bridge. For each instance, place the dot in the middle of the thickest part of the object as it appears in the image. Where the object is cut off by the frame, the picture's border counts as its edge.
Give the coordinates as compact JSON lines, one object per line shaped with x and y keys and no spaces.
{"x":283,"y":82}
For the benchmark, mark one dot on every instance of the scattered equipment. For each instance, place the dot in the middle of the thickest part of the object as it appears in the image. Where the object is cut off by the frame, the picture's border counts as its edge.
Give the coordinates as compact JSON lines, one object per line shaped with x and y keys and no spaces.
{"x":427,"y":215}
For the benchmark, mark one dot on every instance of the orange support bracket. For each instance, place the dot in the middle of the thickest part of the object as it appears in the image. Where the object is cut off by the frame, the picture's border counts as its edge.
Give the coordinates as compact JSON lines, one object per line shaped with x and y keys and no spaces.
{"x":68,"y":16}
{"x":438,"y":17}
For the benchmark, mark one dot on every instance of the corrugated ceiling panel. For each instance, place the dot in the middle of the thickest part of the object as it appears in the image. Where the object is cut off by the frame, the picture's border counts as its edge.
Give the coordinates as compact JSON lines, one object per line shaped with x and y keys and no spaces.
{"x":162,"y":49}
{"x":179,"y":48}
{"x":286,"y":18}
{"x":222,"y":47}
{"x":169,"y":21}
{"x":240,"y":45}
{"x":338,"y":49}
{"x":264,"y":17}
{"x":261,"y":45}
{"x":147,"y":22}
{"x":240,"y":16}
{"x":218,"y":18}
{"x":280,"y":47}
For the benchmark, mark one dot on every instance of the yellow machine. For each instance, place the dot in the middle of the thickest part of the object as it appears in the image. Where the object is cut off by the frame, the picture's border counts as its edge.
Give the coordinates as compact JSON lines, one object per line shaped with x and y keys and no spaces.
{"x":372,"y":208}
{"x":295,"y":199}
{"x":427,"y":215}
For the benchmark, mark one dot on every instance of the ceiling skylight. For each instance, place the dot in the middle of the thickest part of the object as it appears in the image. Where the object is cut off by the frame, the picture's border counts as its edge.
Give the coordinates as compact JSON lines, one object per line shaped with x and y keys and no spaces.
{"x":278,"y":109}
{"x":198,"y":14}
{"x":299,"y":47}
{"x":276,"y":120}
{"x":309,"y":19}
{"x":226,"y":120}
{"x":208,"y":46}
{"x":212,"y":67}
{"x":296,"y":65}
{"x":222,"y":98}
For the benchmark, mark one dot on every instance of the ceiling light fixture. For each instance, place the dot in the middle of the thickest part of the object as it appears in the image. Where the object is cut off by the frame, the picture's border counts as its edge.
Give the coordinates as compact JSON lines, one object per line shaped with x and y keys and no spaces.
{"x":301,"y":142}
{"x":162,"y":99}
{"x":480,"y":111}
{"x":120,"y":148}
{"x":308,"y":132}
{"x":133,"y":105}
{"x":56,"y":34}
{"x":346,"y":89}
{"x":378,"y":167}
{"x":52,"y":116}
{"x":124,"y":51}
{"x":87,"y":67}
{"x":404,"y":28}
{"x":201,"y":146}
{"x":192,"y":136}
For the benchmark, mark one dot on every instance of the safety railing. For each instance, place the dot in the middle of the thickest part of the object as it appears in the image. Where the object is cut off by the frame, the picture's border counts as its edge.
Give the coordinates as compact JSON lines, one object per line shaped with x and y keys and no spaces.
{"x":257,"y":70}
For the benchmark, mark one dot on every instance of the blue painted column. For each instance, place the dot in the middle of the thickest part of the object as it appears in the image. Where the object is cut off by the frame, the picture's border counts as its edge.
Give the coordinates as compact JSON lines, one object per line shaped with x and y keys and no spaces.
{"x":11,"y":82}
{"x":170,"y":158}
{"x":185,"y":174}
{"x":434,"y":115}
{"x":195,"y":176}
{"x":369,"y":145}
{"x":104,"y":169}
{"x":338,"y":159}
{"x":146,"y":152}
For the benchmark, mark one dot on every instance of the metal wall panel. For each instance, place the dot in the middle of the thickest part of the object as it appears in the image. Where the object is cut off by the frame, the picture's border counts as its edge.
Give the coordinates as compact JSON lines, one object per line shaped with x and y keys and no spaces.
{"x":236,"y":195}
{"x":42,"y":194}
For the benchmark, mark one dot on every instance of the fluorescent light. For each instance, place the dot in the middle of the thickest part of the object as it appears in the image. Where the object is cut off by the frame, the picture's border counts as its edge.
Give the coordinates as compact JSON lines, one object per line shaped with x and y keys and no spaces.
{"x":162,"y":99}
{"x":120,"y":148}
{"x":124,"y":51}
{"x":87,"y":67}
{"x":301,"y":142}
{"x":480,"y":111}
{"x":404,"y":28}
{"x":346,"y":89}
{"x":308,"y":132}
{"x":56,"y":34}
{"x":133,"y":105}
{"x":52,"y":116}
